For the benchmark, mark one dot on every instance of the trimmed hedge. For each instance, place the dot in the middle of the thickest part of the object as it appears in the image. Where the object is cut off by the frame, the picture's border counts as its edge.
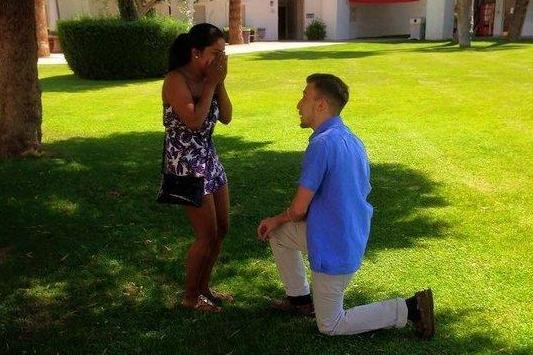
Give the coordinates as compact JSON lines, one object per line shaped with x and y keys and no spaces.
{"x":111,"y":48}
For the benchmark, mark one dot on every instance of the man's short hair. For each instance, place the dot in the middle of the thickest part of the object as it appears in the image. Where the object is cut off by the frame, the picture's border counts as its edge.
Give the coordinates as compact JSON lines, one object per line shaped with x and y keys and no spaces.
{"x":335,"y":90}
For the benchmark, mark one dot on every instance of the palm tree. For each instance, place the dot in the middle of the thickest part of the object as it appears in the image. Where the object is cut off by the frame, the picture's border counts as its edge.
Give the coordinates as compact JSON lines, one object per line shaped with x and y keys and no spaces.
{"x":20,"y":95}
{"x":43,"y":48}
{"x":235,"y":22}
{"x":517,"y":20}
{"x":464,"y":22}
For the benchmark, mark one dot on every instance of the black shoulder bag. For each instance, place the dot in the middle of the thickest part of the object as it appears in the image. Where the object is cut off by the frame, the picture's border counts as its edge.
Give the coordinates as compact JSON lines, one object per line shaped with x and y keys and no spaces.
{"x":179,"y":190}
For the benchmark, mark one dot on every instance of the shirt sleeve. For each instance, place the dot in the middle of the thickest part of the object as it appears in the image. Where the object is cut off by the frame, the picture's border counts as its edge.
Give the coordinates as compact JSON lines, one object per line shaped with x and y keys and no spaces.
{"x":314,"y":166}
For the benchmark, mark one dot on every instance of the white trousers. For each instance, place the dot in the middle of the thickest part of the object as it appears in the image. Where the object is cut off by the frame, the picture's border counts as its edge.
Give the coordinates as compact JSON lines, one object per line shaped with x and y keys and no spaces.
{"x":288,"y":242}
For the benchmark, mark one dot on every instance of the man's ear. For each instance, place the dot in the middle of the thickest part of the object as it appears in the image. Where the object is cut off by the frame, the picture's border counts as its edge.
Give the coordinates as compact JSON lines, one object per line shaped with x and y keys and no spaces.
{"x":323,"y":104}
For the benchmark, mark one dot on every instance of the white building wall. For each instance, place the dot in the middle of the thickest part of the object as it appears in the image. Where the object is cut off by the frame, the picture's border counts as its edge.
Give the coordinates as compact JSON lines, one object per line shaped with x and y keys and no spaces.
{"x":384,"y":20}
{"x":101,"y":8}
{"x":68,"y":9}
{"x":52,"y":12}
{"x":260,"y":14}
{"x":343,"y":20}
{"x":325,"y":11}
{"x":312,"y":8}
{"x":71,"y":8}
{"x":439,"y":19}
{"x":216,"y":12}
{"x":328,"y":13}
{"x":527,"y":30}
{"x":177,"y":9}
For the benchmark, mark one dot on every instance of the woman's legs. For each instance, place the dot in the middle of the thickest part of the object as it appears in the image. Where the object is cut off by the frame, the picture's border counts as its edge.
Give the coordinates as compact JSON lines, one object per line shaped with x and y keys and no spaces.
{"x":221,"y":202}
{"x":204,"y":222}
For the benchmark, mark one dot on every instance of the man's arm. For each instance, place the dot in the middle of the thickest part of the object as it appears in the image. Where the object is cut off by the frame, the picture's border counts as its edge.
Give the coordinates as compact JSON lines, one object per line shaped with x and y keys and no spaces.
{"x":295,"y":213}
{"x":313,"y":171}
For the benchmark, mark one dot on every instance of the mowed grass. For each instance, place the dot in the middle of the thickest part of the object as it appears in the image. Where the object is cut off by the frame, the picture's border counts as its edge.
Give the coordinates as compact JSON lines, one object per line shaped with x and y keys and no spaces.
{"x":90,"y":263}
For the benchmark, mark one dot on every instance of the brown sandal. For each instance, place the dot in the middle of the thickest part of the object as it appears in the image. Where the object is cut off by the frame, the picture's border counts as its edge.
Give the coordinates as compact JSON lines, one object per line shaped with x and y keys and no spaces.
{"x":203,"y":304}
{"x":219,"y":297}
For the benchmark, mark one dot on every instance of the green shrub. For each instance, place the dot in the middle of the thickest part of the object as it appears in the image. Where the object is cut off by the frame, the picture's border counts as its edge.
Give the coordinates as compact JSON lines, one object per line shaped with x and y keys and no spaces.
{"x":111,"y":48}
{"x":316,"y":30}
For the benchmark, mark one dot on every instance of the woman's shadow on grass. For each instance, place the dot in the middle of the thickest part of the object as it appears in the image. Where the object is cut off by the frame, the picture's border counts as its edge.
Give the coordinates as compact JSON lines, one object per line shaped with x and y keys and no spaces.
{"x":84,"y":221}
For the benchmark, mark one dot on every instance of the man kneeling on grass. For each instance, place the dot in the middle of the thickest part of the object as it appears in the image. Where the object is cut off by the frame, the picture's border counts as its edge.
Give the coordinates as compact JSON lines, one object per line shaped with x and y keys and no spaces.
{"x":329,"y":218}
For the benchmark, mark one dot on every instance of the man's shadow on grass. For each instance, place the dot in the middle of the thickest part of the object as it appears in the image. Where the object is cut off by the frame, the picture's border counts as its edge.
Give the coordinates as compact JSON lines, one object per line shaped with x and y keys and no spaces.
{"x":95,"y":261}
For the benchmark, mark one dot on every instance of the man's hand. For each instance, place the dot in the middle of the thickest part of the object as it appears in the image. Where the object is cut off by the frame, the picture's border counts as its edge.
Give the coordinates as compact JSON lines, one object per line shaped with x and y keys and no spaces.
{"x":266,"y":226}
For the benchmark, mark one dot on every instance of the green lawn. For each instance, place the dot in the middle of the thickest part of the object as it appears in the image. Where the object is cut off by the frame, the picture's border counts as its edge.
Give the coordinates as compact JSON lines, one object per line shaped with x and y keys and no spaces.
{"x":92,"y":264}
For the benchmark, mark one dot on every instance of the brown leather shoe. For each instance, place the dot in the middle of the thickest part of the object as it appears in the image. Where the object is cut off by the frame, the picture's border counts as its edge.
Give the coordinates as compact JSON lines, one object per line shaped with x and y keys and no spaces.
{"x":285,"y":305}
{"x":425,"y":324}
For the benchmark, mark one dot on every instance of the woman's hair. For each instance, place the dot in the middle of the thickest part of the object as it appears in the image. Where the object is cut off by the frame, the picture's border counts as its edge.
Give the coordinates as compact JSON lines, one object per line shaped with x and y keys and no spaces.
{"x":199,"y":36}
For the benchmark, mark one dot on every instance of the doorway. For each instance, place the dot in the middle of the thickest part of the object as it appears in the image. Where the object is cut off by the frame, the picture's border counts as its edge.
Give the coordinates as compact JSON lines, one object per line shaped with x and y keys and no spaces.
{"x":291,"y":19}
{"x":484,"y":14}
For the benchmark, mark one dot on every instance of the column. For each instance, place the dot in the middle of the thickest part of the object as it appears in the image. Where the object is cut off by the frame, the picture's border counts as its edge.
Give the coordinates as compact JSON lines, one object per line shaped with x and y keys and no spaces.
{"x":498,"y":18}
{"x":439,"y":19}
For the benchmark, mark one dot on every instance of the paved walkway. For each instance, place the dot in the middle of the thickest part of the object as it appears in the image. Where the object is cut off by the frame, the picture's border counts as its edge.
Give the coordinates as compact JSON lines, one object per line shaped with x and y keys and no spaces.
{"x":55,"y":58}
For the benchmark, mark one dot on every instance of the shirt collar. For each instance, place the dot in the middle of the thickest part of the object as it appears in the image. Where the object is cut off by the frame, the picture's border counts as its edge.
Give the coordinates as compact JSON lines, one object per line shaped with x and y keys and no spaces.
{"x":327,"y":124}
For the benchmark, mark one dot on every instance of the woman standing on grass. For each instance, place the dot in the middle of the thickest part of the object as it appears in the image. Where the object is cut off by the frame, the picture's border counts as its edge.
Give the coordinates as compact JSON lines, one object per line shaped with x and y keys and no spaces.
{"x":194,"y":99}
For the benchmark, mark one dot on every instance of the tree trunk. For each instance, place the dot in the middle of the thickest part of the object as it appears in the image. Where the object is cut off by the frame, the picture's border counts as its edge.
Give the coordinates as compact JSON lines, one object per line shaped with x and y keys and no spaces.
{"x":20,"y":95}
{"x":128,"y":10}
{"x":145,"y":6}
{"x":235,"y":22}
{"x":464,"y":22}
{"x":517,"y":19}
{"x":43,"y":48}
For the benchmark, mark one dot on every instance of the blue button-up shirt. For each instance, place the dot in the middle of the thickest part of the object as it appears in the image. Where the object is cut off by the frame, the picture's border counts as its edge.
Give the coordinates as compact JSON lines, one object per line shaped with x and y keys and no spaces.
{"x":336,"y":168}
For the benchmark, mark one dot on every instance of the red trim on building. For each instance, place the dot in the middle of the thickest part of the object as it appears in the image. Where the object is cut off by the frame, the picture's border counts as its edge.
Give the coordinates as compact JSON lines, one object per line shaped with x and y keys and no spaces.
{"x":379,"y":2}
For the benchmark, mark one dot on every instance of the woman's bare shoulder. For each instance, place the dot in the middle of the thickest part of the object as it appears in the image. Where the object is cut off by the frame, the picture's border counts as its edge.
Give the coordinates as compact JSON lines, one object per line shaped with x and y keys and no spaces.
{"x":173,"y":83}
{"x":174,"y":77}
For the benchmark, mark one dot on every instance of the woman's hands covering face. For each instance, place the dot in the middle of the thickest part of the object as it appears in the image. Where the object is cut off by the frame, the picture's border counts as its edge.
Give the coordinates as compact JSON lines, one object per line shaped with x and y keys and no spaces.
{"x":217,"y":69}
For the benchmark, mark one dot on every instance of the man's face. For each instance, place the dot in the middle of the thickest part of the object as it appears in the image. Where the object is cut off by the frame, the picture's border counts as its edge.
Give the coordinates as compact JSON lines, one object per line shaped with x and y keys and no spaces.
{"x":307,"y":105}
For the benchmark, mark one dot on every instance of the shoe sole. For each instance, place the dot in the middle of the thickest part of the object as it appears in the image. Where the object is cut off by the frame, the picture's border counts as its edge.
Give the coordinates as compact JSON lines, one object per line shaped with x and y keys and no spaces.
{"x":428,"y":320}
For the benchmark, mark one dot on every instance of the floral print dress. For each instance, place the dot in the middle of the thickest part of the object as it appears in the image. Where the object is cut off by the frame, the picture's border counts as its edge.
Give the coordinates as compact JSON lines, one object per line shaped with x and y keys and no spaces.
{"x":189,"y":152}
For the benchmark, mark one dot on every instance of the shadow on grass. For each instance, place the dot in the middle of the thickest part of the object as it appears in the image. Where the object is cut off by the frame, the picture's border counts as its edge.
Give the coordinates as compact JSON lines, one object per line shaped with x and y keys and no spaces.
{"x":71,"y":83}
{"x":396,"y":47}
{"x":485,"y":46}
{"x":312,"y":54}
{"x":94,"y":263}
